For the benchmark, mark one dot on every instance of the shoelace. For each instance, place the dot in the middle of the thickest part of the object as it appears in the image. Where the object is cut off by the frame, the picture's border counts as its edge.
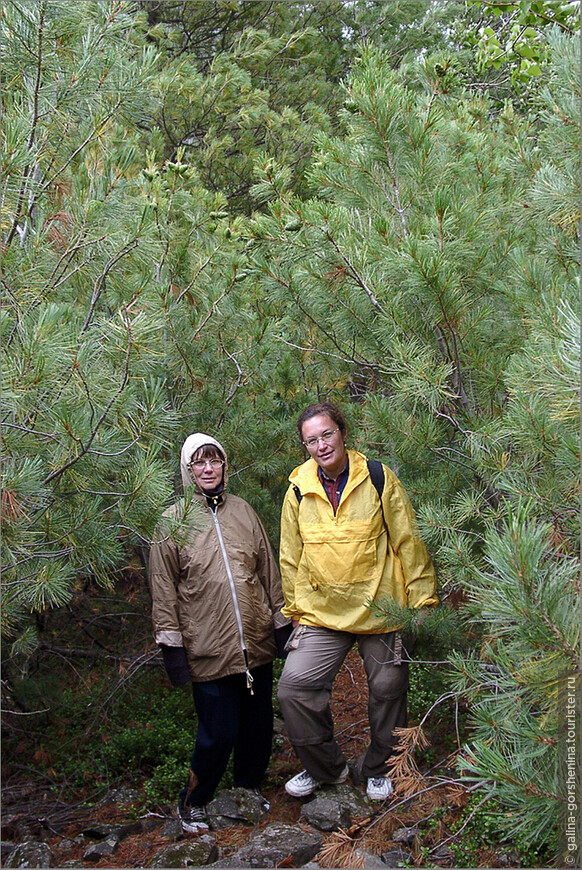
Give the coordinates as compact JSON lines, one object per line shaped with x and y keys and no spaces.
{"x":305,"y":776}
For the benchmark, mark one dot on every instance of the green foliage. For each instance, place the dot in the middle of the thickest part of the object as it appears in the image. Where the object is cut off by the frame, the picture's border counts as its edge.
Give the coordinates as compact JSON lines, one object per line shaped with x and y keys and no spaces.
{"x":527,"y":598}
{"x":442,"y":626}
{"x":416,"y":272}
{"x":479,"y":830}
{"x":146,"y":740}
{"x":427,"y":695}
{"x":519,"y":38}
{"x":414,"y":255}
{"x":242,"y":78}
{"x":84,"y":416}
{"x":156,"y":744}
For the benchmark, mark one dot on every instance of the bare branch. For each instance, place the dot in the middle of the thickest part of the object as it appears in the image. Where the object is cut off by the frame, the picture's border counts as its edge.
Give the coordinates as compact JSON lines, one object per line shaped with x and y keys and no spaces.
{"x":98,"y":287}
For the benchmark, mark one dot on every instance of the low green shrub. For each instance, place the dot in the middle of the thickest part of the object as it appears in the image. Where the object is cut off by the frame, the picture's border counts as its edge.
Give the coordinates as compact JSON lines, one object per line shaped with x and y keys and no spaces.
{"x":482,"y":825}
{"x":144,"y":739}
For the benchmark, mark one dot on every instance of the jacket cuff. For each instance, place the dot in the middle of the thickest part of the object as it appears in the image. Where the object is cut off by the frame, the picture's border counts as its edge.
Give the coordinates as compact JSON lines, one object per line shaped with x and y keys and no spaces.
{"x":279,"y":620}
{"x":169,"y":638}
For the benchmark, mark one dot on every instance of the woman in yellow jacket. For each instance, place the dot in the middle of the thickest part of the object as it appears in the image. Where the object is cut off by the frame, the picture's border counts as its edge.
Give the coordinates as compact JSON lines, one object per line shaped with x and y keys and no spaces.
{"x":343,"y":547}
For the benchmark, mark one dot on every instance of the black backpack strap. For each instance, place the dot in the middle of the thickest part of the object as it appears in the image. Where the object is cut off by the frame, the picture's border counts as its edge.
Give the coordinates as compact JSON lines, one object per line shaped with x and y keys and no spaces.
{"x":377,"y":475}
{"x":376,"y":470}
{"x":298,"y":494}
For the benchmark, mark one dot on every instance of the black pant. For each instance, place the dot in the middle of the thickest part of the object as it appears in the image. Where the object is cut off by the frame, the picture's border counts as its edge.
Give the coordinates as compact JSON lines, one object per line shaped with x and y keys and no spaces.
{"x":230,"y":718}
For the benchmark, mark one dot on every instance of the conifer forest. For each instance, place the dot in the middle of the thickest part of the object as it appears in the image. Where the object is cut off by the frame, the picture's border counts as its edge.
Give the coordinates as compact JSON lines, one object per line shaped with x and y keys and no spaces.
{"x":215,"y":212}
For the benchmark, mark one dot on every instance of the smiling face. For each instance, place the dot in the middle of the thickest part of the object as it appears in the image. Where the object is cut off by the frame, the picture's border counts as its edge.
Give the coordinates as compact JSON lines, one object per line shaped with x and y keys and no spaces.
{"x":325,"y":443}
{"x":207,"y":468}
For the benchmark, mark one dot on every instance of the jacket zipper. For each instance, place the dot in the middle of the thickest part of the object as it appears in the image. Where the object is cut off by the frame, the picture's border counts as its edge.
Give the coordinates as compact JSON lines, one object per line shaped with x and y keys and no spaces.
{"x":248,"y":674}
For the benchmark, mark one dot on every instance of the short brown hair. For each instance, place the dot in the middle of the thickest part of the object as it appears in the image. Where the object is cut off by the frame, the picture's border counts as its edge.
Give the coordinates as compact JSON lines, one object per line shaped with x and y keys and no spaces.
{"x":322,"y":408}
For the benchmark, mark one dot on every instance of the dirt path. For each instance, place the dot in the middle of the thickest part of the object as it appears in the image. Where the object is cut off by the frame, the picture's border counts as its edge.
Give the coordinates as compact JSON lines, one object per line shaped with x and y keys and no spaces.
{"x":349,"y":705}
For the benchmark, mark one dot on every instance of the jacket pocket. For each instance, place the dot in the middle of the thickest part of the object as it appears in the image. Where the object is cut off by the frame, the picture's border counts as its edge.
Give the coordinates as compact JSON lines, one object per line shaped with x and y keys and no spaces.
{"x":199,"y":621}
{"x":337,"y":563}
{"x":256,"y":611}
{"x":341,"y":553}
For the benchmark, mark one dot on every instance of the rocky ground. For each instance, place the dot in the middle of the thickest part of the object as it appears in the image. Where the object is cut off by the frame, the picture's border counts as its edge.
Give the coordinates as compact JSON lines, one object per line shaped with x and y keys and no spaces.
{"x":337,"y":827}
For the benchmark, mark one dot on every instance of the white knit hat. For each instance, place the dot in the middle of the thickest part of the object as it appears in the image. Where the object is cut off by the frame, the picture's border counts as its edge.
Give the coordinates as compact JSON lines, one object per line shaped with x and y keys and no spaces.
{"x":191,"y":445}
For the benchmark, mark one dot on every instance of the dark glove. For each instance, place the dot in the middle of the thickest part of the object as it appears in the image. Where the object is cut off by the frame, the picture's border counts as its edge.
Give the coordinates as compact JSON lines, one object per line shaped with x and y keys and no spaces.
{"x":282,"y":635}
{"x":176,"y":664}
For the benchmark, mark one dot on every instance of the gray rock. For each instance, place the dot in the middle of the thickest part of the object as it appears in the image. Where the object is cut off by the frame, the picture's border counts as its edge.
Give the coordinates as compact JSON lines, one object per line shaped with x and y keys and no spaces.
{"x":172,"y":830}
{"x":122,"y":796}
{"x":348,"y":796}
{"x":443,"y":853}
{"x":98,"y":831}
{"x":101,"y":849}
{"x":65,"y":846}
{"x":193,"y":853}
{"x":326,"y":814}
{"x":152,"y":821}
{"x":276,"y":843}
{"x":370,"y":858}
{"x":506,"y":858}
{"x":405,"y":835}
{"x":235,"y":806}
{"x":30,"y":854}
{"x":397,"y":857}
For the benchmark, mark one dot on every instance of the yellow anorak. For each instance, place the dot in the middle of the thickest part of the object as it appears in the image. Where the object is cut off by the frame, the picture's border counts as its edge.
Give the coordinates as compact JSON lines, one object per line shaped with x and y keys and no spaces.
{"x":333,"y":566}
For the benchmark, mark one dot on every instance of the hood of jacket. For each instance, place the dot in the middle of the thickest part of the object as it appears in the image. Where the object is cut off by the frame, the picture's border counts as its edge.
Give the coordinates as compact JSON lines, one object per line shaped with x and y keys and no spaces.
{"x":193,"y":443}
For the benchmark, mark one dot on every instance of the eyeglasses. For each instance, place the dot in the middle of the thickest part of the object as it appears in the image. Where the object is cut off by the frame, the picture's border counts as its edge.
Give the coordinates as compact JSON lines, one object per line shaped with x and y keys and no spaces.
{"x":200,"y":464}
{"x":326,"y":437}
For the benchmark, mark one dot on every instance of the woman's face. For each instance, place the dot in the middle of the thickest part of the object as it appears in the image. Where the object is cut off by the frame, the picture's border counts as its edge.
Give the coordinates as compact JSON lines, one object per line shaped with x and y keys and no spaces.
{"x":207,"y":471}
{"x":325,"y":443}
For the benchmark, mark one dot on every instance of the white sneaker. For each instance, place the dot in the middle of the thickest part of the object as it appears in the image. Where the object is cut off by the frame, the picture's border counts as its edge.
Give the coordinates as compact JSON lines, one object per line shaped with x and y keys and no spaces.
{"x":304,"y":784}
{"x":379,"y":788}
{"x":193,"y":819}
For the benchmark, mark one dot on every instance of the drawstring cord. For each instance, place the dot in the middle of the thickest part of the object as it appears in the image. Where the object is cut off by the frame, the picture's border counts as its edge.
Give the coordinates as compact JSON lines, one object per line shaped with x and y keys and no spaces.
{"x":250,"y":682}
{"x":249,"y":676}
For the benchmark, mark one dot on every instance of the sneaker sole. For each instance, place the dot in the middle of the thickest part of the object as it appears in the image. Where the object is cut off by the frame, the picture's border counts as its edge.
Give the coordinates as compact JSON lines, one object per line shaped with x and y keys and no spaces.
{"x":195,"y":827}
{"x":378,"y":797}
{"x":297,"y":794}
{"x":339,"y":781}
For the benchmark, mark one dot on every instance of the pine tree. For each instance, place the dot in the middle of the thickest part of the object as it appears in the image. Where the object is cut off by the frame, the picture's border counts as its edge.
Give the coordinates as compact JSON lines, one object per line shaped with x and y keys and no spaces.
{"x":85,"y":418}
{"x":433,"y":280}
{"x":243,"y":78}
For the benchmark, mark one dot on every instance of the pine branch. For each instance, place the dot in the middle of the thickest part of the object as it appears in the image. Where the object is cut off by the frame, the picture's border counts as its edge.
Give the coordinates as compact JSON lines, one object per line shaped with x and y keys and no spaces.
{"x":100,"y":282}
{"x":84,"y":449}
{"x":35,"y":118}
{"x":355,"y":274}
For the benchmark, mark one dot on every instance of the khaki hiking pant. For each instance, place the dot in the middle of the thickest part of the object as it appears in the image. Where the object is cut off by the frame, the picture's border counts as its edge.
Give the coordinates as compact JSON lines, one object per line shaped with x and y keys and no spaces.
{"x":315,"y":657}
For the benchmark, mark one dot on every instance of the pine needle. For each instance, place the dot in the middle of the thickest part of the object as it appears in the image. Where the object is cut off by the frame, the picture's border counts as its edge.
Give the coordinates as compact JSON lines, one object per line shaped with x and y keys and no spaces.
{"x":340,"y":851}
{"x":406,"y":777}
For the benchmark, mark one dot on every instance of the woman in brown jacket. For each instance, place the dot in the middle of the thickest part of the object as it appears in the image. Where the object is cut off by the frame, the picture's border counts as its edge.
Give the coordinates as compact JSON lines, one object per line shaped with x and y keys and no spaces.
{"x":217,"y":603}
